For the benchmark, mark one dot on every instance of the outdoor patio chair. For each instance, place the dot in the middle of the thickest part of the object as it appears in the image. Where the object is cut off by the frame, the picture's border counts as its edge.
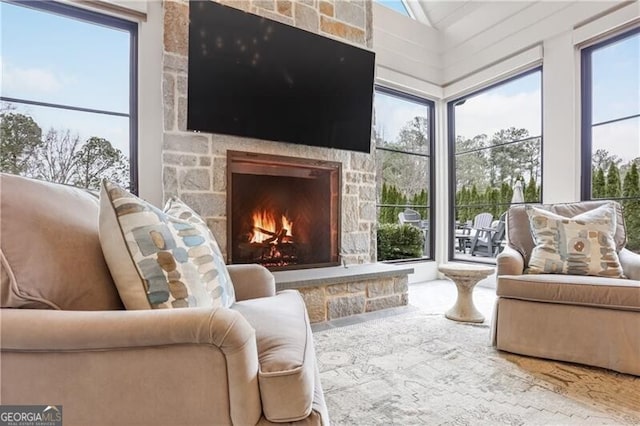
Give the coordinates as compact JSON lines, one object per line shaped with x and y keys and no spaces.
{"x":467,"y":234}
{"x":488,"y":241}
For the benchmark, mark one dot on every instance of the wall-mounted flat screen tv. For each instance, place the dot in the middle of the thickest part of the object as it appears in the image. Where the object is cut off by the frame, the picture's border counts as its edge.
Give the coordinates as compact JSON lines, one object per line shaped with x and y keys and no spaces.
{"x":254,"y":77}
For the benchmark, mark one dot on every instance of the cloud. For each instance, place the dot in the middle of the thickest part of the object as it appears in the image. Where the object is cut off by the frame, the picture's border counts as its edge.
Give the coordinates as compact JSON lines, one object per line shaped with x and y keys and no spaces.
{"x":621,"y":138}
{"x":490,"y":112}
{"x":28,"y":81}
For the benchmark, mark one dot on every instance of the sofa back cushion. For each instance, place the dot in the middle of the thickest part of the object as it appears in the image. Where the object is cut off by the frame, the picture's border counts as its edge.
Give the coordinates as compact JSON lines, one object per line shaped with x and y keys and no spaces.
{"x":49,"y":248}
{"x":519,"y":231}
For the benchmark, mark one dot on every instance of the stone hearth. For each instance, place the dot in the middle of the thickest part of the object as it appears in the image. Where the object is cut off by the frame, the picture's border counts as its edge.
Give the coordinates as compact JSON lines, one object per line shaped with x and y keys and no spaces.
{"x":336,"y":292}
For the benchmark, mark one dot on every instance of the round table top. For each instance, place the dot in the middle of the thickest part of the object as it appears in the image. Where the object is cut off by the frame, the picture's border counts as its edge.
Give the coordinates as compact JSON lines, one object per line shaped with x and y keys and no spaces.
{"x":465,"y":269}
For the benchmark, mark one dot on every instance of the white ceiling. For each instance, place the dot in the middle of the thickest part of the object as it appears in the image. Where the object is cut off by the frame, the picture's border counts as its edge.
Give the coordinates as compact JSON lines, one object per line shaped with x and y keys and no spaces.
{"x":476,"y":15}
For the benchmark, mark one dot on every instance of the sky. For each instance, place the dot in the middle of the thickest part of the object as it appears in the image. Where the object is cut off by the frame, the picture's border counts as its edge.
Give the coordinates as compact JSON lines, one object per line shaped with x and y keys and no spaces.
{"x":55,"y":59}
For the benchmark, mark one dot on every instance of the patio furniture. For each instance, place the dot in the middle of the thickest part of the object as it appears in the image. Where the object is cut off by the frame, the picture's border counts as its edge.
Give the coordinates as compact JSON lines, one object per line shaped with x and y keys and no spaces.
{"x":488,"y":241}
{"x":465,"y":235}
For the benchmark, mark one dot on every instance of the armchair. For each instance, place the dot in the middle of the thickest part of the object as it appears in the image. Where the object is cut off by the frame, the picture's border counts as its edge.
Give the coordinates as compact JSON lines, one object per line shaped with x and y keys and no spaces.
{"x":66,"y":339}
{"x":589,"y":320}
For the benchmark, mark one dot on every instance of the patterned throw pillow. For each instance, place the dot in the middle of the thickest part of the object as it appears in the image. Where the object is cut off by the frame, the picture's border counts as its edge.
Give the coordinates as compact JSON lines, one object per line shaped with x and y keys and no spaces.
{"x":581,"y":245}
{"x":161,"y":259}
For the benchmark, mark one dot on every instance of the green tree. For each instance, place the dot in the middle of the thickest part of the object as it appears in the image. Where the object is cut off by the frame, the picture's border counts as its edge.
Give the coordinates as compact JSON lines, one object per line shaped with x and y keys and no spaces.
{"x":613,"y":187}
{"x":599,"y":184}
{"x":98,"y":159}
{"x":631,"y":189}
{"x":531,"y":191}
{"x":20,"y":136}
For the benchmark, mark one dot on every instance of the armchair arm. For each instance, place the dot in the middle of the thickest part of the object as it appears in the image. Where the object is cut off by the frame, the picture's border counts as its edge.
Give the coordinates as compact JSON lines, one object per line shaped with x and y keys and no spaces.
{"x":53,"y":330}
{"x":252,"y":281}
{"x":630,"y":262}
{"x":510,"y":262}
{"x":69,"y":341}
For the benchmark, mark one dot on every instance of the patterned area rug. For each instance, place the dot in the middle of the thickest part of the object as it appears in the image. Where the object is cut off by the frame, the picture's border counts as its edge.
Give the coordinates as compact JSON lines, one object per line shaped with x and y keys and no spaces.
{"x":418,"y":368}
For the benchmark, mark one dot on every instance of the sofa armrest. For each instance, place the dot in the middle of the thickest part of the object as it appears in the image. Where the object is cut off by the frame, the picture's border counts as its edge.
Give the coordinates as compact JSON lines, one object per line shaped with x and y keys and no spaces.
{"x":37,"y":332}
{"x":252,"y":281}
{"x":510,"y":262}
{"x":630,"y":262}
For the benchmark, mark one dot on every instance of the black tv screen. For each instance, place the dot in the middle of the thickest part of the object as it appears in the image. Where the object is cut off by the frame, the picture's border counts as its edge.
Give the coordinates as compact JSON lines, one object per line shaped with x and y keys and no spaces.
{"x":254,"y":77}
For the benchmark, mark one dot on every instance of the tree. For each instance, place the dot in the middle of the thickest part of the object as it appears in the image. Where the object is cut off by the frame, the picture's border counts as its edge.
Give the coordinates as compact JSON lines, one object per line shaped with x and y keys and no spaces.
{"x":20,"y":136}
{"x":613,"y":188}
{"x":631,"y":189}
{"x":531,"y":191}
{"x":98,"y":159}
{"x":57,"y":157}
{"x":599,"y":184}
{"x":601,"y":159}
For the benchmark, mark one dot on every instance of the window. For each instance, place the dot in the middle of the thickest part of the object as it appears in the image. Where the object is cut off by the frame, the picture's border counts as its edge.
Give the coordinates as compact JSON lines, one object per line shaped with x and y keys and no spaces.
{"x":397,"y":5}
{"x":495,"y":137}
{"x":611,"y":126}
{"x":404,"y":138}
{"x":68,"y":94}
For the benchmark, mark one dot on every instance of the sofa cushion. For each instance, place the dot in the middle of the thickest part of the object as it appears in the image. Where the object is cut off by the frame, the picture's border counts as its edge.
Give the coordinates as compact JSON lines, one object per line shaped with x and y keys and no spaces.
{"x":602,"y":292}
{"x":285,"y":354}
{"x":519,"y":233}
{"x":158,"y":260}
{"x":580,"y":245}
{"x":49,"y":251}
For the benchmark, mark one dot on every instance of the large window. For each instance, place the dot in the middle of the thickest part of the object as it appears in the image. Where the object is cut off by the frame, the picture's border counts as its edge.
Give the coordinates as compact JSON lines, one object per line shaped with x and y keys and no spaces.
{"x":404,"y":138}
{"x":611,"y":126}
{"x":495,"y":137}
{"x":68,"y":91}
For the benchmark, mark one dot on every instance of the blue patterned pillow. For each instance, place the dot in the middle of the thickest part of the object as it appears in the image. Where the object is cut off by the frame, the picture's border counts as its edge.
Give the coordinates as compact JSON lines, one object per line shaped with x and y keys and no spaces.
{"x":161,"y":259}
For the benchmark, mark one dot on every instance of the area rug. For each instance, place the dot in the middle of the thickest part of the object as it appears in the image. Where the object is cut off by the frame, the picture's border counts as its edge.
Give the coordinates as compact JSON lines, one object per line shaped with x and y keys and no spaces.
{"x":422,"y":369}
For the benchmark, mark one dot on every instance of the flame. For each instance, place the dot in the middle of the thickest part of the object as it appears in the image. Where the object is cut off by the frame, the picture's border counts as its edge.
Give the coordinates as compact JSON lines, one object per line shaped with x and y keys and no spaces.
{"x":267,"y":221}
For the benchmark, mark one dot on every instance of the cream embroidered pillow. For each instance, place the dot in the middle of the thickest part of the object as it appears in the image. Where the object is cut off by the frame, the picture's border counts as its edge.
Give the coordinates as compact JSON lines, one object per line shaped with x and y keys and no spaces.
{"x":581,"y":245}
{"x":160,"y":260}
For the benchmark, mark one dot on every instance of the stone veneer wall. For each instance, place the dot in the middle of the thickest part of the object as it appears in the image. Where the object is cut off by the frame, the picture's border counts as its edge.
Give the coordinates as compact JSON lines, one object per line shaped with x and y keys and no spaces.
{"x":329,"y":302}
{"x":194,"y":164}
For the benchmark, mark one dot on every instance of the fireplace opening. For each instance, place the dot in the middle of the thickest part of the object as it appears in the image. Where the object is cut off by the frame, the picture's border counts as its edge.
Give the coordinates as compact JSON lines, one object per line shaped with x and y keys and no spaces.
{"x":283,"y":212}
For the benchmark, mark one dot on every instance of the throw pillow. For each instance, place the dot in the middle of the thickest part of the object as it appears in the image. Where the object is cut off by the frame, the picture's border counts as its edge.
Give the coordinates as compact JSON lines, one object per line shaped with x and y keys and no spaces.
{"x":158,"y":260}
{"x":581,"y":245}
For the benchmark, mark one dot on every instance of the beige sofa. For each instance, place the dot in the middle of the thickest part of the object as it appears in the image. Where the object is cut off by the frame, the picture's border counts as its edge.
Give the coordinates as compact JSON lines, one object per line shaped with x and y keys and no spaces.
{"x":582,"y":319}
{"x":67,"y":340}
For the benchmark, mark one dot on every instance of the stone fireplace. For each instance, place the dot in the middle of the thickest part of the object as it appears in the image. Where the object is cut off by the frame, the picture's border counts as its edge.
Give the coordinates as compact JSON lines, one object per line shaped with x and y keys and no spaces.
{"x":283,"y":212}
{"x":195,"y":165}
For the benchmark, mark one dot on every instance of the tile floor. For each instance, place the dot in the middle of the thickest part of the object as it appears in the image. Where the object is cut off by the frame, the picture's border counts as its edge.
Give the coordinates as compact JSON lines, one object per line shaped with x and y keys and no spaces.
{"x":431,"y":296}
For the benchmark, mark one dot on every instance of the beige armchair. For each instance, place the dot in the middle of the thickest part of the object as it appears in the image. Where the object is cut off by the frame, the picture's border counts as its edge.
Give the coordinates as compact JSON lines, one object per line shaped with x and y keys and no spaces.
{"x":583,"y":319}
{"x":66,"y":339}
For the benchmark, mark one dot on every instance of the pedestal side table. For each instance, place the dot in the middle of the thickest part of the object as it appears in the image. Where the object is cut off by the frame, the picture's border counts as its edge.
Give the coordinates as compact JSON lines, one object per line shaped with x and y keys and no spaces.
{"x":465,"y":277}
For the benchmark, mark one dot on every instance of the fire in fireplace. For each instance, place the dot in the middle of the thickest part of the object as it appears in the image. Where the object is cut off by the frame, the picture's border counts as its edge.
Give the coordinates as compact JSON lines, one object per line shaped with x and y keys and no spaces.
{"x":283,"y":212}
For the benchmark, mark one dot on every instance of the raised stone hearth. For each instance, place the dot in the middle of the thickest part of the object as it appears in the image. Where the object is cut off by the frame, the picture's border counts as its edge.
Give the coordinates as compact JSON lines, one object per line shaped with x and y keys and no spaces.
{"x":337,"y":292}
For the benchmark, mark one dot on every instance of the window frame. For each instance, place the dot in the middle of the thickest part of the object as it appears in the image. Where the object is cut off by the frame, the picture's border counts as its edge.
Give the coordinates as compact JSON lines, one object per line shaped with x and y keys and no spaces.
{"x":586,"y":113}
{"x":451,"y":145}
{"x":431,"y":175}
{"x":108,"y":21}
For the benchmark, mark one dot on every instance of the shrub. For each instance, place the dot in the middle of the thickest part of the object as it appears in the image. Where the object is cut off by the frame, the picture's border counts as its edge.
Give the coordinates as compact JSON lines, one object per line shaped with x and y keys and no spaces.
{"x":399,"y":242}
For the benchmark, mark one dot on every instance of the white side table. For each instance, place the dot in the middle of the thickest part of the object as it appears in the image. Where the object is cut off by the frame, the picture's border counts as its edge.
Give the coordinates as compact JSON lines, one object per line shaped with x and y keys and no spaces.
{"x":465,"y":277}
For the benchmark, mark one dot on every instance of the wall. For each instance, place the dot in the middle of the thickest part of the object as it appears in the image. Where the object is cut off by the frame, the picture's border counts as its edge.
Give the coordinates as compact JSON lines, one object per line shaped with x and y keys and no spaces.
{"x":194,"y":164}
